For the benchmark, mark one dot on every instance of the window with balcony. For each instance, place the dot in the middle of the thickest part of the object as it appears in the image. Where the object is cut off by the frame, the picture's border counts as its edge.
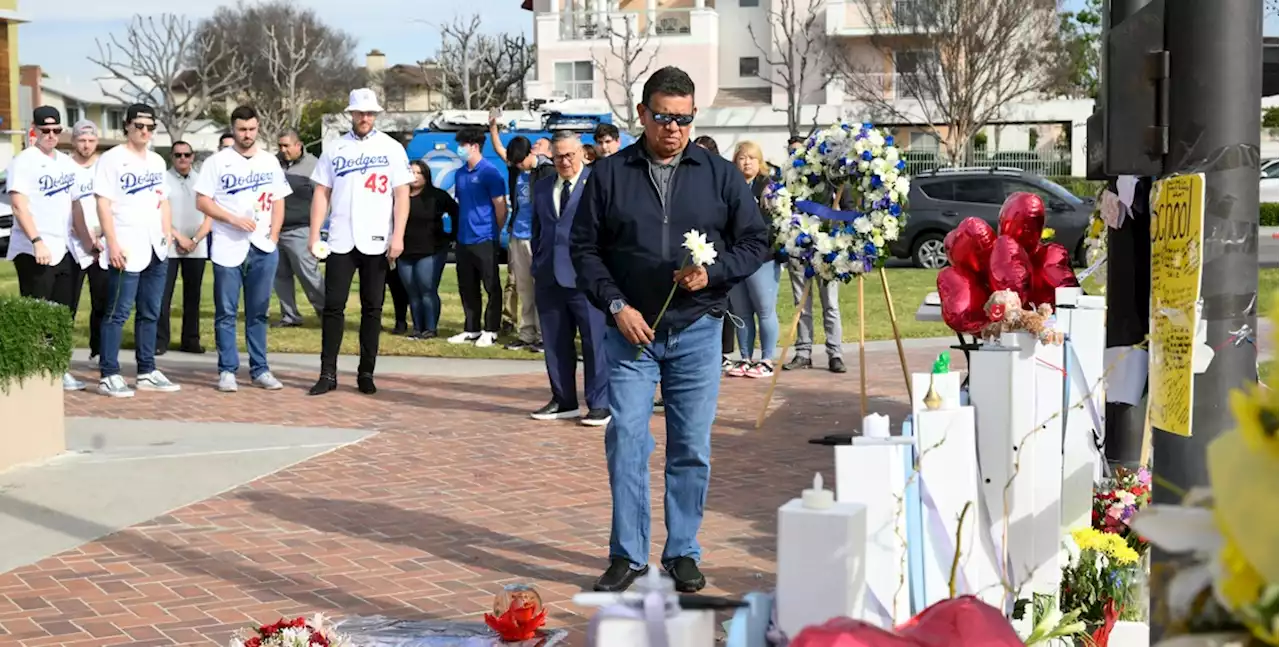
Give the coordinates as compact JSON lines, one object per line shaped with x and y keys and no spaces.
{"x":749,"y":67}
{"x":576,"y":79}
{"x":115,"y":119}
{"x":915,"y":71}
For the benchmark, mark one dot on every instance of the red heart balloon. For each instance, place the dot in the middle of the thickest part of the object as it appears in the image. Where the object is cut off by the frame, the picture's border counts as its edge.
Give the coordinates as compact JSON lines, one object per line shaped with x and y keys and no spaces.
{"x":969,"y":245}
{"x":963,"y":297}
{"x":1022,"y":217}
{"x":960,"y":622}
{"x":1052,"y":263}
{"x":1010,"y":268}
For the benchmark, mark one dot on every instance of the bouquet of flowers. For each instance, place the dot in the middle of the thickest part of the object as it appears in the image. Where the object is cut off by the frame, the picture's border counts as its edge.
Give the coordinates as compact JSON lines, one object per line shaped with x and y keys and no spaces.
{"x":1099,"y":581}
{"x":1117,"y":499}
{"x":831,"y":244}
{"x":1095,"y":251}
{"x":298,"y":632}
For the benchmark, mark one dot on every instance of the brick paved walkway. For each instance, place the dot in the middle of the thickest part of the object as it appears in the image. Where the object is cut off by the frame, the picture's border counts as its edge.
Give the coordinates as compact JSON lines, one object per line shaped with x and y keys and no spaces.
{"x":459,"y":493}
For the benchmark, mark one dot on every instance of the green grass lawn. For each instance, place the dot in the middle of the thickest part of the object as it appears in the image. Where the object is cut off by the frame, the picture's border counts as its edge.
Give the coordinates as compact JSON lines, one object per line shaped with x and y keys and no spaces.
{"x":908,"y":287}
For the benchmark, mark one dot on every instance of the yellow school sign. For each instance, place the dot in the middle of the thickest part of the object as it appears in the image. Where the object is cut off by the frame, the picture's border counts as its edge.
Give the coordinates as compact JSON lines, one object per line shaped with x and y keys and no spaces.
{"x":1177,"y":244}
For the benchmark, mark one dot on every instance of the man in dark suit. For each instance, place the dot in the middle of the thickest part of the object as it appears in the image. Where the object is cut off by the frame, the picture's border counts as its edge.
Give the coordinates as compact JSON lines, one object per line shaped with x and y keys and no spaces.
{"x":563,"y":309}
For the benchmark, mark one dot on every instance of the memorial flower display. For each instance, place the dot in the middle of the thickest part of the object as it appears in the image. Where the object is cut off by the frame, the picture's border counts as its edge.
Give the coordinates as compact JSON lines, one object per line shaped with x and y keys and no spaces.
{"x":838,"y":245}
{"x":1117,"y":498}
{"x":298,"y":632}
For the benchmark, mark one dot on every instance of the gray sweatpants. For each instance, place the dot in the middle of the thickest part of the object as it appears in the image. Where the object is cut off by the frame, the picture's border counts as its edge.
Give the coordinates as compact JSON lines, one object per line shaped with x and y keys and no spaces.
{"x":296,"y":260}
{"x":829,"y":295}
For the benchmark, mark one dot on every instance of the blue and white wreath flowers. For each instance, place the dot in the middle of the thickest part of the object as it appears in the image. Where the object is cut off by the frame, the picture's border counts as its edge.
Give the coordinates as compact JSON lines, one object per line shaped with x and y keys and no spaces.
{"x":833,"y":244}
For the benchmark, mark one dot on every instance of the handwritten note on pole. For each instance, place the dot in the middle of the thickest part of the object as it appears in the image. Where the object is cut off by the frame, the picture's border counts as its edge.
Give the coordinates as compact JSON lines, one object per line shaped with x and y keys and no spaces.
{"x":1177,"y":240}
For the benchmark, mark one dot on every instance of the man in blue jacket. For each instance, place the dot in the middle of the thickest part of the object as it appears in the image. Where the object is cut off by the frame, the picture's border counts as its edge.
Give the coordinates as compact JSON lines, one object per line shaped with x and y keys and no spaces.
{"x":626,"y":247}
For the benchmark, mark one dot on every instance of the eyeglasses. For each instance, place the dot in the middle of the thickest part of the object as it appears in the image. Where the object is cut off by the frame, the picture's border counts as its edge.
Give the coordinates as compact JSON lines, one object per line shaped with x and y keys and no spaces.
{"x":183,"y":155}
{"x":147,"y":127}
{"x":51,"y":131}
{"x":662,"y":118}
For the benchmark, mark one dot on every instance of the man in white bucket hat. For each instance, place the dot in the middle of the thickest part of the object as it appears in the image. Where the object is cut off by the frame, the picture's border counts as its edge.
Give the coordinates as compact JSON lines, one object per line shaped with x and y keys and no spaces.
{"x":362,"y":185}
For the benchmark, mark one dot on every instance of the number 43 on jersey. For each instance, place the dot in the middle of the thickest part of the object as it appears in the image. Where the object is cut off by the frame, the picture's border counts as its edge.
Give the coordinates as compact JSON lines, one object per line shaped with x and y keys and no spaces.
{"x":377,"y":183}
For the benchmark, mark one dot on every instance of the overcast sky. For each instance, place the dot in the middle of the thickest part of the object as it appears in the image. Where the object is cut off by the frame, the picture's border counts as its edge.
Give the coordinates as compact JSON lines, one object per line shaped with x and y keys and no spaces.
{"x":61,"y":34}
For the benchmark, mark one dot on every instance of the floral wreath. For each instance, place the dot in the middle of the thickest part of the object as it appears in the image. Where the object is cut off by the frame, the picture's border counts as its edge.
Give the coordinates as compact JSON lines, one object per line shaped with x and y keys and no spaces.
{"x":832,"y":244}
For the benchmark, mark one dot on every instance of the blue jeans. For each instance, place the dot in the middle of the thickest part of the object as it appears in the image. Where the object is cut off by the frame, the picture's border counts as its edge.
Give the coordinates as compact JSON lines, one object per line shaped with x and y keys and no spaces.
{"x":421,"y":279}
{"x":257,"y":276}
{"x":687,"y":362}
{"x":760,"y":294}
{"x":125,"y":291}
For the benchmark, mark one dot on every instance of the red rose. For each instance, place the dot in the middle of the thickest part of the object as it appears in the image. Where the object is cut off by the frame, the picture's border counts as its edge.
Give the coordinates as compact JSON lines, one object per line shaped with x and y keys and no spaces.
{"x":298,"y":622}
{"x":997,"y":312}
{"x":253,"y":642}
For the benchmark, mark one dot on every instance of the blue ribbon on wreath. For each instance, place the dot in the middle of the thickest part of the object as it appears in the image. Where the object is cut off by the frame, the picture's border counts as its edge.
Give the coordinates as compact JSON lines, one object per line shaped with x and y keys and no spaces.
{"x":824,"y":212}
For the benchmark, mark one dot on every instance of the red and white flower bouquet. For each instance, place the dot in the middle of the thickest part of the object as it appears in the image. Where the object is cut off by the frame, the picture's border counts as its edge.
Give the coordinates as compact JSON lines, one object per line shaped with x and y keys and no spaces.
{"x":298,"y":632}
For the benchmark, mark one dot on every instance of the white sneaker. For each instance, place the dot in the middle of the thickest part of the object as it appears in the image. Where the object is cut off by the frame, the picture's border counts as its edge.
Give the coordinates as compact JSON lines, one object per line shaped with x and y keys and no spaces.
{"x":267,"y":381}
{"x":464,"y":338}
{"x":70,"y":383}
{"x":227,"y":382}
{"x":114,"y":387}
{"x":156,"y":381}
{"x":486,"y":339}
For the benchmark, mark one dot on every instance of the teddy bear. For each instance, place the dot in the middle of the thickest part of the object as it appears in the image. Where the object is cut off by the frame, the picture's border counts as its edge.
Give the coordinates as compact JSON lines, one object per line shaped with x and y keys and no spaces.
{"x":1005,"y":311}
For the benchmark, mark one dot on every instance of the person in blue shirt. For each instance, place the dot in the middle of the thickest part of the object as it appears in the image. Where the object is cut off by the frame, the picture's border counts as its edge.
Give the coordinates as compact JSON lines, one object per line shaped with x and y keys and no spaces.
{"x":481,"y":193}
{"x":524,"y":169}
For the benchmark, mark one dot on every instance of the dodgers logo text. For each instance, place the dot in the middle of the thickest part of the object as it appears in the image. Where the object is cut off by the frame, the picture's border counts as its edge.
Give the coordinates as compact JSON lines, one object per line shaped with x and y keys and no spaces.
{"x":232,"y":183}
{"x":344,"y":165}
{"x":54,"y":184}
{"x":132,"y":183}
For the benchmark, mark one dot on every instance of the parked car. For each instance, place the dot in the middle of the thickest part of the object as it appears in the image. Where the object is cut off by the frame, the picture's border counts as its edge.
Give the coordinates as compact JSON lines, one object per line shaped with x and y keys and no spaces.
{"x":1269,"y":183}
{"x":940,"y":199}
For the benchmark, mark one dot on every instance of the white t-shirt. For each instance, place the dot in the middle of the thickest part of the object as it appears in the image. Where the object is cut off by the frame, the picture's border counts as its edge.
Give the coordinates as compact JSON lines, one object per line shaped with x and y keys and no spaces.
{"x":135,"y":186}
{"x":245,"y":186}
{"x":182,"y":210}
{"x":47,"y":182}
{"x":362,"y":174}
{"x":82,"y":192}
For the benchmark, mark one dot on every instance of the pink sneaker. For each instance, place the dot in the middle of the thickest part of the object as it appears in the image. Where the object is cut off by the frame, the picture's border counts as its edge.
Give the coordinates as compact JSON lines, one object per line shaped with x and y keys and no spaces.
{"x":739,"y":369}
{"x":760,"y":369}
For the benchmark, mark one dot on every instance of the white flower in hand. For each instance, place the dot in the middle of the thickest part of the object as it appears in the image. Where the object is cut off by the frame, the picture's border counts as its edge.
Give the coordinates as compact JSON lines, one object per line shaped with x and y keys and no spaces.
{"x":701,"y":252}
{"x":320,"y":250}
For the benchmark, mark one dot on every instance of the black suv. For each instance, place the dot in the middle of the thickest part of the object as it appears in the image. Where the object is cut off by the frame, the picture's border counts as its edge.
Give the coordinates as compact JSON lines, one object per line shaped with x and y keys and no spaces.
{"x":940,"y":199}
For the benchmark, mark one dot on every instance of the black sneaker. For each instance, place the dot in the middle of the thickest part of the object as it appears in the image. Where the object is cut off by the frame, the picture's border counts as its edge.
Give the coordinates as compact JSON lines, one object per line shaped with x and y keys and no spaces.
{"x":364,"y":383}
{"x":596,"y":418}
{"x":798,"y":362}
{"x":194,"y":349}
{"x":428,"y":334}
{"x":619,"y":576}
{"x":836,"y":365}
{"x":161,"y":349}
{"x":536,"y":347}
{"x":659,"y":406}
{"x":400,"y":329}
{"x":286,"y":324}
{"x":555,"y":411}
{"x":325,"y":384}
{"x":684,"y":571}
{"x":516,"y":345}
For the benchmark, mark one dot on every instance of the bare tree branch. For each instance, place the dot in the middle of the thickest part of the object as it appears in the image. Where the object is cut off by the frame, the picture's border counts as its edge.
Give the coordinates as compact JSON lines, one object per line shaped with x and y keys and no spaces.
{"x":480,"y":70}
{"x":794,"y":53}
{"x":162,"y":60}
{"x":629,"y":60}
{"x":956,"y":64}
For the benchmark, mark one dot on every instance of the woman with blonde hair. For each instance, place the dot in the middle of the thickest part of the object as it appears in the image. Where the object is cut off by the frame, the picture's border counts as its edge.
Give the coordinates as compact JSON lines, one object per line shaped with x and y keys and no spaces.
{"x":757,"y":304}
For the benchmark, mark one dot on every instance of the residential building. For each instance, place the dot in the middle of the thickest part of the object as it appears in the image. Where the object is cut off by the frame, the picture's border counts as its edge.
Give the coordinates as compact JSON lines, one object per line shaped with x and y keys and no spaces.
{"x":726,"y":46}
{"x":418,"y":87}
{"x":10,"y":121}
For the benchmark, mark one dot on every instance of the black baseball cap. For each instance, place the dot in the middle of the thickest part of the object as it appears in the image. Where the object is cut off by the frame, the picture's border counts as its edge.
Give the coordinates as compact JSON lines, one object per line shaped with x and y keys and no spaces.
{"x":46,"y":116}
{"x":139,"y":110}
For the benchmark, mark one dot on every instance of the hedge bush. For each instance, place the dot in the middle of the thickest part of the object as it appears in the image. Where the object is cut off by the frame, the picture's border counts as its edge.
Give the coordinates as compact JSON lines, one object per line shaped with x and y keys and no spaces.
{"x":1078,"y":186}
{"x":35,"y":340}
{"x":1269,"y":214}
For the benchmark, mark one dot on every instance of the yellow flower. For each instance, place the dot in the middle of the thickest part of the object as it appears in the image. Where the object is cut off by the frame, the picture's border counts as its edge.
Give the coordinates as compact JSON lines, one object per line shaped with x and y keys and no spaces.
{"x":1239,"y":584}
{"x":1256,"y":414}
{"x":1048,"y":233}
{"x":1112,"y":545}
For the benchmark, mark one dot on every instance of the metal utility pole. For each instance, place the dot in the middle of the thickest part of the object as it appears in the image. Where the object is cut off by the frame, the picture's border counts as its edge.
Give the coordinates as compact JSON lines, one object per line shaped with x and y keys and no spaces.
{"x":1214,"y":110}
{"x":1129,"y":247}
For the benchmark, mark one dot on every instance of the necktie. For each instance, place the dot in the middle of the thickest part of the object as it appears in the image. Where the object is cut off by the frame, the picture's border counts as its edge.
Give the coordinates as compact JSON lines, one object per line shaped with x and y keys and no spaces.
{"x":565,"y":188}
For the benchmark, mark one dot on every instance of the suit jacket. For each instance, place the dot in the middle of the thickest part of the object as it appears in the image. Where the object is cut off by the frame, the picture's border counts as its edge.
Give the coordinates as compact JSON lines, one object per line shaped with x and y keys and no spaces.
{"x":550,"y":242}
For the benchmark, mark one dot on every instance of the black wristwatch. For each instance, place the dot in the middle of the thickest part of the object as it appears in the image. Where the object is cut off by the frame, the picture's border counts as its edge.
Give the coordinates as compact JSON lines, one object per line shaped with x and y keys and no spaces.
{"x":616,"y":306}
{"x":36,"y":240}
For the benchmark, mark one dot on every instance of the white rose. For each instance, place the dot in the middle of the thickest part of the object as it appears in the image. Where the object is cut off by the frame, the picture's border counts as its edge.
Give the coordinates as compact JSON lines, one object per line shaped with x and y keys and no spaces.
{"x":891,"y":154}
{"x":862,"y":225}
{"x":902,"y":185}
